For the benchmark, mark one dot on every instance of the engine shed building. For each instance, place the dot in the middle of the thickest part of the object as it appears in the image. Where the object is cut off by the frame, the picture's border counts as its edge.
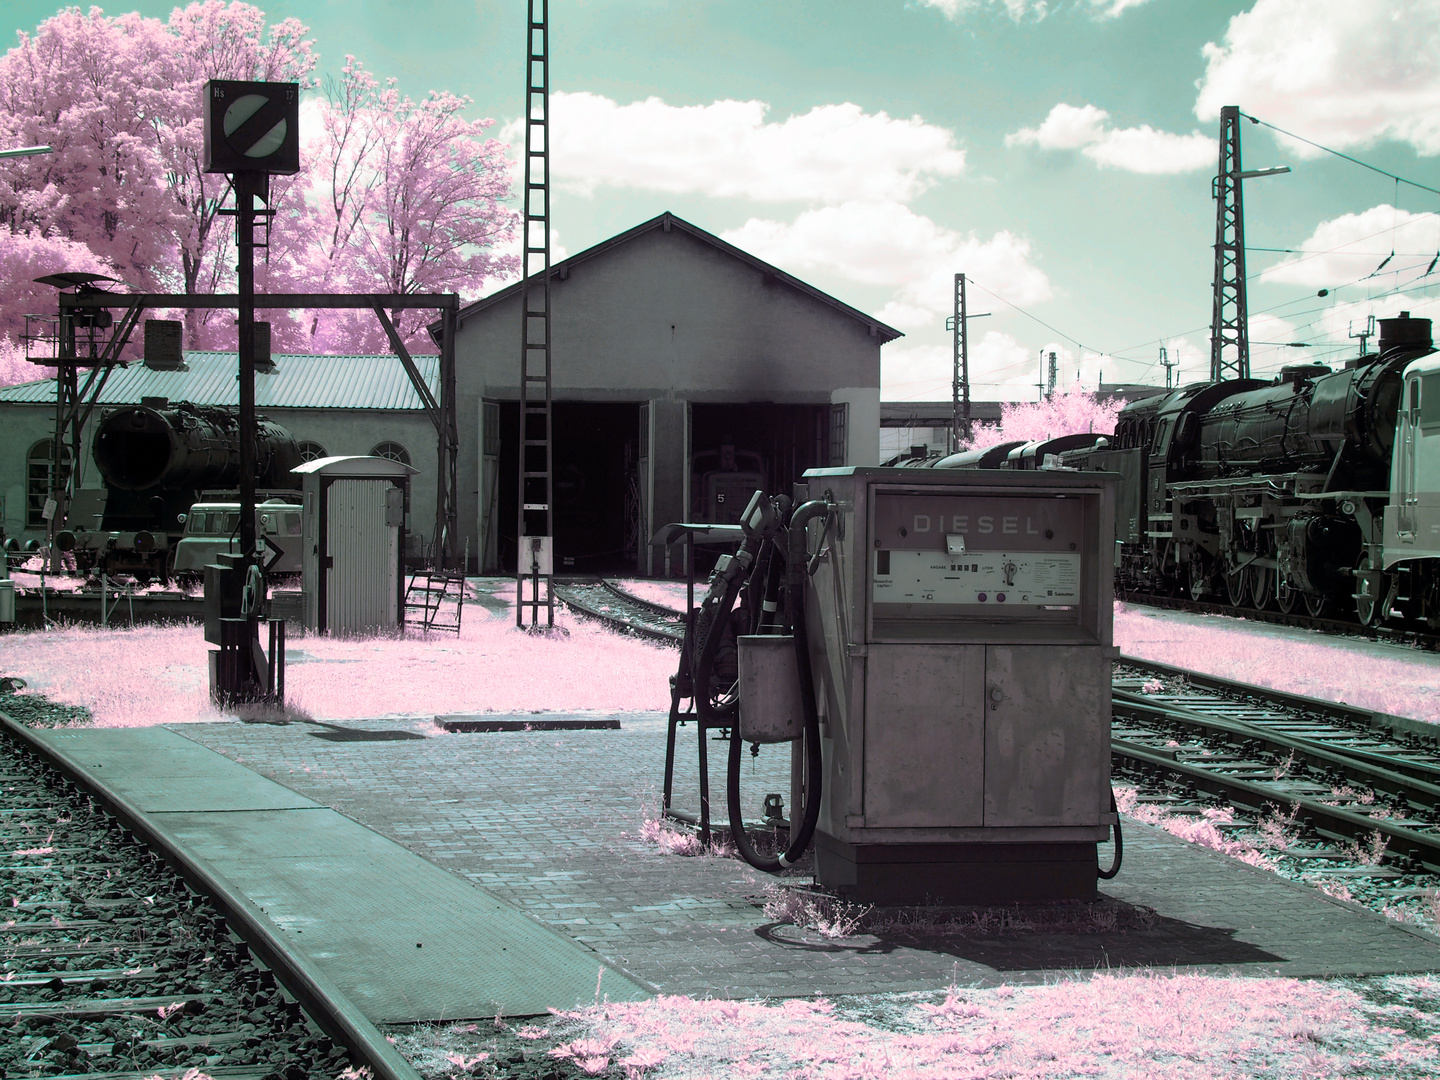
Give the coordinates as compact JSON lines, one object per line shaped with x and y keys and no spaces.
{"x":685,"y":374}
{"x":333,"y":405}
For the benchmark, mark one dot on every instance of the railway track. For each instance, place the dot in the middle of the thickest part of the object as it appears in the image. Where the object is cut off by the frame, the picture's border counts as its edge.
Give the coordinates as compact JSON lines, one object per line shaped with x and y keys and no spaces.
{"x":630,"y":614}
{"x":121,"y":957}
{"x":1351,"y":782}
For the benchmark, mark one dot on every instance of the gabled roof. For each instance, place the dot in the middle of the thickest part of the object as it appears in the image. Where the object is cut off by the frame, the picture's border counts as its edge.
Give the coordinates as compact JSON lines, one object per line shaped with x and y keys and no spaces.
{"x":297,"y":382}
{"x":667,"y":222}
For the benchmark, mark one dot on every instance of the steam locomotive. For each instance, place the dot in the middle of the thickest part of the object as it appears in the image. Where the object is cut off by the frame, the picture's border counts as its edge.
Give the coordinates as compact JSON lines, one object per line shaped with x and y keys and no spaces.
{"x":1320,"y":489}
{"x":155,"y":460}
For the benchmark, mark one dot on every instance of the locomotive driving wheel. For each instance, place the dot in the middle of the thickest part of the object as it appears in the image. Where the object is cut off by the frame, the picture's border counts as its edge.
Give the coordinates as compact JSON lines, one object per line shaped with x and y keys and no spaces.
{"x":1261,"y":585}
{"x":1319,"y":606}
{"x":1198,"y":577}
{"x":1372,"y":592}
{"x":1237,"y":586}
{"x":1287,"y":599}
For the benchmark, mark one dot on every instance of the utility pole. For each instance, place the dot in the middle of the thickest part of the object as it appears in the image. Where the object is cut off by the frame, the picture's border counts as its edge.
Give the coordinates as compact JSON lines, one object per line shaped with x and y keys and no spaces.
{"x":535,"y":535}
{"x":1229,"y":319}
{"x":960,"y":386}
{"x":960,"y":426}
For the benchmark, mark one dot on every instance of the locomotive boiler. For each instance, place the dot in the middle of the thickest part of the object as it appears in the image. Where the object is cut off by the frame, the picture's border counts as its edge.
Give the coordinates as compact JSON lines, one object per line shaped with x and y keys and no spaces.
{"x":155,"y":459}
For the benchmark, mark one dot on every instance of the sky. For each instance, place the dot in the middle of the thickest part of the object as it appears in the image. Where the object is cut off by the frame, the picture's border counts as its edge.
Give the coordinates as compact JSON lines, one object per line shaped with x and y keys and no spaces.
{"x":1060,"y":154}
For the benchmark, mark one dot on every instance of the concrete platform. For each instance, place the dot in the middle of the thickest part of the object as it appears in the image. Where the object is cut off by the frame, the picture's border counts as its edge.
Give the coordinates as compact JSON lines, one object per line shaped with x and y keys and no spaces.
{"x":404,"y":940}
{"x":550,"y":822}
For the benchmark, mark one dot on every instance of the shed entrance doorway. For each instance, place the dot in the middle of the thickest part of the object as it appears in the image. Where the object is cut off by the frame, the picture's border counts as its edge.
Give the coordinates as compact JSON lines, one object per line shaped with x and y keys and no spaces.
{"x":597,"y":486}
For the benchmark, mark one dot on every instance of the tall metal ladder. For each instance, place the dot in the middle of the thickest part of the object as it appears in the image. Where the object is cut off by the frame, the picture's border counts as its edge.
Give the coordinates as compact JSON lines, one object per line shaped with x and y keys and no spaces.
{"x":535,"y":529}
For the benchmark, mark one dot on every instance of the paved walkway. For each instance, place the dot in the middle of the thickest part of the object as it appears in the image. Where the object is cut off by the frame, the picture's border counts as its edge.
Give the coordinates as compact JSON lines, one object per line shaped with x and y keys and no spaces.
{"x":401,"y":938}
{"x":550,"y":822}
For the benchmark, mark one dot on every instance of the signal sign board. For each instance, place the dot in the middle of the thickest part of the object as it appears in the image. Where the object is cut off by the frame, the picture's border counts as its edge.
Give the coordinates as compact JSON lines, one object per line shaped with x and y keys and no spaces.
{"x":252,"y":127}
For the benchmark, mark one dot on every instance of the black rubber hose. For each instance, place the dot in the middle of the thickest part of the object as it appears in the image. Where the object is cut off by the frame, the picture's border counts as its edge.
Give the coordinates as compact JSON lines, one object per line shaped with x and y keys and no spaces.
{"x":1119,"y":843}
{"x":795,"y":610}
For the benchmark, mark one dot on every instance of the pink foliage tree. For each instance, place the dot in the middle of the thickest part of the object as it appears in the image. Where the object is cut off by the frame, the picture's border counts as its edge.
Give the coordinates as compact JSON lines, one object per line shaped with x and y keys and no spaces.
{"x":399,"y":197}
{"x":396,"y":196}
{"x":1069,"y":413}
{"x":25,"y":256}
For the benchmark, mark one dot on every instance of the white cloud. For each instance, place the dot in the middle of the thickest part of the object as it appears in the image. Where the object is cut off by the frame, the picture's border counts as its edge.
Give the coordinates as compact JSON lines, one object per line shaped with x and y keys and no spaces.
{"x":728,"y":149}
{"x":955,"y":10}
{"x":1335,"y":71}
{"x":1137,"y":149}
{"x":1351,"y":247}
{"x":890,"y":245}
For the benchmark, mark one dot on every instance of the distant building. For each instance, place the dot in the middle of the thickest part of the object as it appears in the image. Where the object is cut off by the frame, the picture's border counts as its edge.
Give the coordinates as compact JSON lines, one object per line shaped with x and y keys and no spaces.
{"x":331,"y":404}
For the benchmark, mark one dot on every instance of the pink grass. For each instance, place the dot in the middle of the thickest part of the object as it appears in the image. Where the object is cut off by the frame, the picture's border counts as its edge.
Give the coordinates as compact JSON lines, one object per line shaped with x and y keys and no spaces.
{"x":159,"y":675}
{"x":1384,"y":678}
{"x":1179,"y":1027}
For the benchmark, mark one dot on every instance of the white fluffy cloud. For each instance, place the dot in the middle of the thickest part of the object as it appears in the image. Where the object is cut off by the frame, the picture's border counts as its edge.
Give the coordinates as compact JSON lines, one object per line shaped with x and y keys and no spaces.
{"x":729,"y":149}
{"x":1338,"y":72}
{"x":890,"y":245}
{"x":1001,"y":369}
{"x":1022,"y":9}
{"x":1137,"y":149}
{"x":1350,"y":247}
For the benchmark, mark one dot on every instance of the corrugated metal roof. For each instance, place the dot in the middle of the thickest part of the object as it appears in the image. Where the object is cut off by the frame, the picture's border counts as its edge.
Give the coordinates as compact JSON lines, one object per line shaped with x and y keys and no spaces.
{"x":298,"y":382}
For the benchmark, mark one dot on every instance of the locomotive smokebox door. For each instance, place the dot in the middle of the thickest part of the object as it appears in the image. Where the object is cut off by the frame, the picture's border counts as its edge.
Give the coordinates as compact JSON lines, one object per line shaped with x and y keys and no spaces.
{"x":961,"y":637}
{"x":252,"y":127}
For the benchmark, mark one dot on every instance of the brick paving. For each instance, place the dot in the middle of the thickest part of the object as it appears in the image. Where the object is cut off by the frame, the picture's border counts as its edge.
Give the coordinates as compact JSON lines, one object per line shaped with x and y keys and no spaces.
{"x":550,"y":822}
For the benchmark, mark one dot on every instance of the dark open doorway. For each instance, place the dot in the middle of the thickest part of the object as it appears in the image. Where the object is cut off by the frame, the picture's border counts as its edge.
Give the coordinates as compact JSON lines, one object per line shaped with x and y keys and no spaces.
{"x":736,"y":448}
{"x":596,"y":486}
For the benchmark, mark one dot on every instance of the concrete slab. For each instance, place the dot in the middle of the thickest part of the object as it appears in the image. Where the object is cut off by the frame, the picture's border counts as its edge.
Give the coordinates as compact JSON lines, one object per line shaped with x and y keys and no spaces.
{"x":405,"y":940}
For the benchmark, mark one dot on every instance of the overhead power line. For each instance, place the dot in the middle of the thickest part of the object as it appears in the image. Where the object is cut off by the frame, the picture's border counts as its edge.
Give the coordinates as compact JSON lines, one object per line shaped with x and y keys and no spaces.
{"x":1337,"y":153}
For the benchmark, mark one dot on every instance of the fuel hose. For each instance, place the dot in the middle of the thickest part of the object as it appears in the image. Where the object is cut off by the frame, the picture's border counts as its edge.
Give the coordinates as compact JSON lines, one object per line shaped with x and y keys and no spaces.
{"x":795,"y":610}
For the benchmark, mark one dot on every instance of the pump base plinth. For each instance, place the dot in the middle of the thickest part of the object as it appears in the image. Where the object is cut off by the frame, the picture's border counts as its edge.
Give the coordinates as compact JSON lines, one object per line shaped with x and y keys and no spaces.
{"x":978,"y":873}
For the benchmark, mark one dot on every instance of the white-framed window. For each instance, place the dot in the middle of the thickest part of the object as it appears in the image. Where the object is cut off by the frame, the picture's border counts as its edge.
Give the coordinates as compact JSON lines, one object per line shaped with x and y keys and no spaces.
{"x":392,"y":450}
{"x":312,"y":451}
{"x":38,"y":464}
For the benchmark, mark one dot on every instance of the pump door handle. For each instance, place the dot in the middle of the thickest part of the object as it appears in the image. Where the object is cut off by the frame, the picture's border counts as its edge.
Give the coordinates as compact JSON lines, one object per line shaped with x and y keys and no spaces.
{"x":996,"y":696}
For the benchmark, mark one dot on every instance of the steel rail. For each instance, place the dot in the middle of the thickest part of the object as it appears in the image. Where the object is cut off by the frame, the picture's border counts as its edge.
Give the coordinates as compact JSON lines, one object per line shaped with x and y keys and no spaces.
{"x":1339,"y":710}
{"x":326,"y":1004}
{"x":1331,"y":820}
{"x":1395,"y":775}
{"x":628,"y":597}
{"x":567,"y":593}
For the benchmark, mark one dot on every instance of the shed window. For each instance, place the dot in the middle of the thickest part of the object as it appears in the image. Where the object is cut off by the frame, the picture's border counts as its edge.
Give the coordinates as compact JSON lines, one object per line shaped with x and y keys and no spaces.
{"x":37,"y":481}
{"x":392,"y":450}
{"x":839,"y":414}
{"x":312,"y":451}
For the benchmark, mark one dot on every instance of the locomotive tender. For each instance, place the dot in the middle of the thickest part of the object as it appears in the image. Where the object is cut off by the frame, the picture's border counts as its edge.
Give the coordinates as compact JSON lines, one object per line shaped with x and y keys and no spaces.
{"x":155,"y":459}
{"x":1319,"y":489}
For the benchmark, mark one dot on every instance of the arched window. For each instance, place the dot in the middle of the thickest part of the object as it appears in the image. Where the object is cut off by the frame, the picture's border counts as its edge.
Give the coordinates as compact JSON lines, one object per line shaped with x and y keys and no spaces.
{"x":312,"y":451}
{"x":37,"y":481}
{"x":392,"y":450}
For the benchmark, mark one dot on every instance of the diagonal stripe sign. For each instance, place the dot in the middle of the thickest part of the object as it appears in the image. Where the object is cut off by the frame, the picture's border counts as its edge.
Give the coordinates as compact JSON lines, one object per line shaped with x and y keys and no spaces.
{"x":255,"y":125}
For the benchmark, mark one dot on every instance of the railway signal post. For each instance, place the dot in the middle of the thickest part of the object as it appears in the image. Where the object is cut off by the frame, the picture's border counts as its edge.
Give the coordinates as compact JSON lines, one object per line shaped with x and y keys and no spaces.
{"x":252,"y":131}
